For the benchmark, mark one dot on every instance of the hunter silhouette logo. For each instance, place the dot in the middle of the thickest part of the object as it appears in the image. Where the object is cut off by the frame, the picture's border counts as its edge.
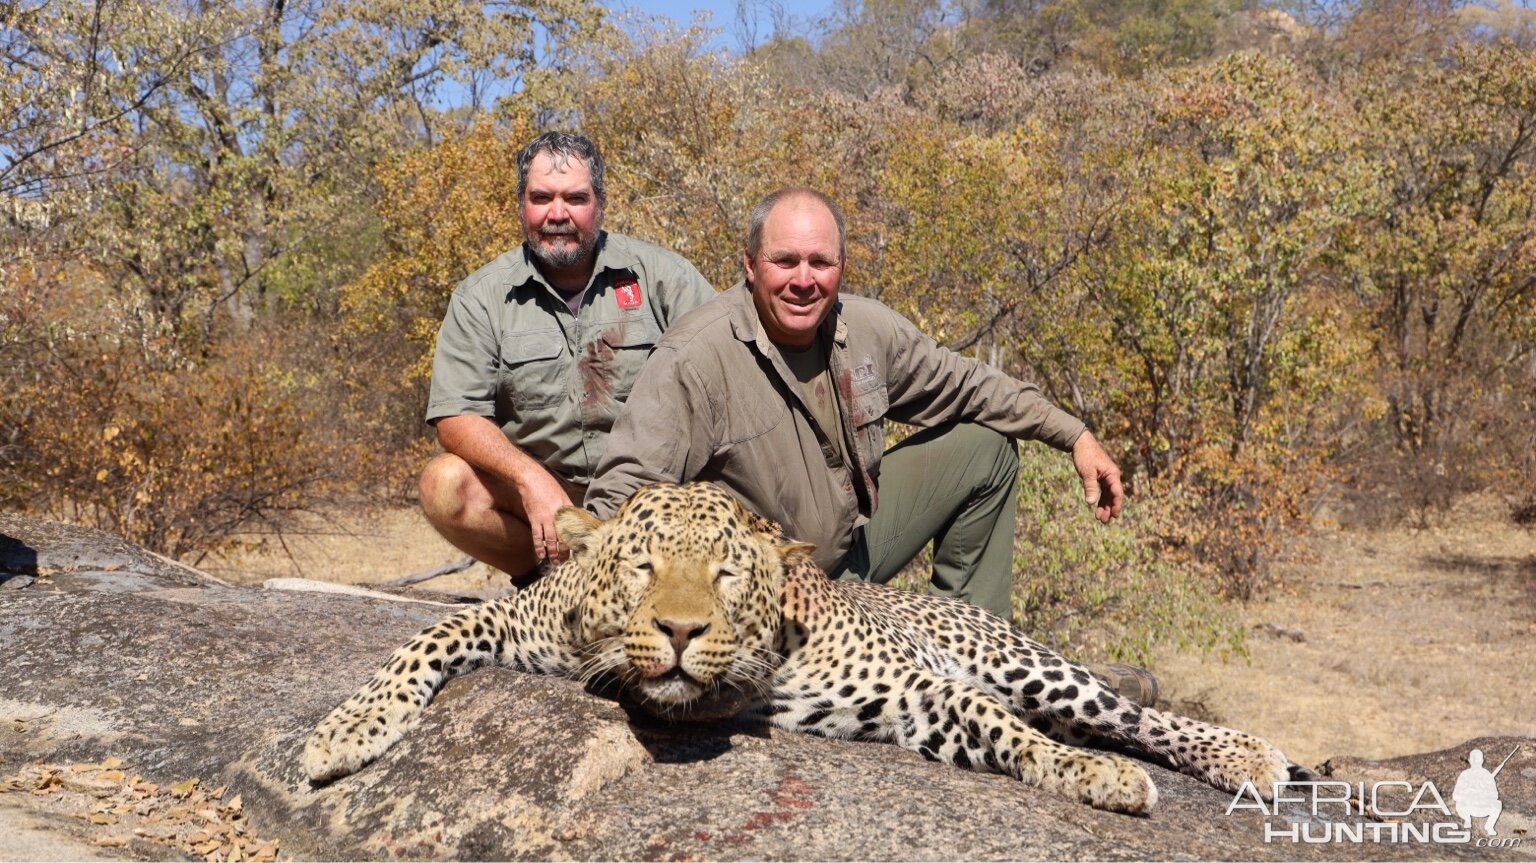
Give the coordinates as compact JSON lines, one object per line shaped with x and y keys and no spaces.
{"x":1476,"y":794}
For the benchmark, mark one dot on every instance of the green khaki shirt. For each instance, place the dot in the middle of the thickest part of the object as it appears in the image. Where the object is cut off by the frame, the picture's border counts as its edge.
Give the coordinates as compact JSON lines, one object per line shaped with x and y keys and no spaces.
{"x":510,"y":349}
{"x":717,"y":402}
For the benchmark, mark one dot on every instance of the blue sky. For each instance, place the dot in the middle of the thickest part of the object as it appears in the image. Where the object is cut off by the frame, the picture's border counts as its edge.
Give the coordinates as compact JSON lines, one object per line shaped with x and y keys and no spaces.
{"x":723,"y":13}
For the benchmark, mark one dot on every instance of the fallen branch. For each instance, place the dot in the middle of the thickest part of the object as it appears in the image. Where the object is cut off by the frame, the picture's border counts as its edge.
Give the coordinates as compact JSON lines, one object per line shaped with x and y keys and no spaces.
{"x":446,"y":569}
{"x":347,"y":589}
{"x":192,"y":571}
{"x":1281,"y":631}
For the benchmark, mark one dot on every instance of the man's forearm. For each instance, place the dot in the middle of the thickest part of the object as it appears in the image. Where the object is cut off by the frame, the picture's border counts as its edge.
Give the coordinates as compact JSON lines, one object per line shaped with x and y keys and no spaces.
{"x":479,"y":442}
{"x":616,"y":480}
{"x":931,"y":384}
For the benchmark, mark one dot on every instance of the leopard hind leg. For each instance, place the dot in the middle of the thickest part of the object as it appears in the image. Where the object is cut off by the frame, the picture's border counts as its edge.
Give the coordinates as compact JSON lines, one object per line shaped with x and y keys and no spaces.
{"x":1070,"y":703}
{"x":1225,"y":758}
{"x":950,"y":721}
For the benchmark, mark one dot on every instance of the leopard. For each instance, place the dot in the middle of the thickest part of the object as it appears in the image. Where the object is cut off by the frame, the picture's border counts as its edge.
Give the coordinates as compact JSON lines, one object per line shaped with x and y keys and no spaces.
{"x":697,"y":609}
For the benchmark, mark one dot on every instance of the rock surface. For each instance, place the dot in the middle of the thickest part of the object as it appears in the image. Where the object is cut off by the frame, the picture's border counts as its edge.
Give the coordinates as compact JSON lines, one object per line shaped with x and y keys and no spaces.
{"x":111,"y":653}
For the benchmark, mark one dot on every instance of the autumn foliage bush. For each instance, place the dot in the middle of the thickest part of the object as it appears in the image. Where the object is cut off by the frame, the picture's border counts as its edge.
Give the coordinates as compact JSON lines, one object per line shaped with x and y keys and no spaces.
{"x":122,"y":430}
{"x":1259,"y":275}
{"x":1201,"y":262}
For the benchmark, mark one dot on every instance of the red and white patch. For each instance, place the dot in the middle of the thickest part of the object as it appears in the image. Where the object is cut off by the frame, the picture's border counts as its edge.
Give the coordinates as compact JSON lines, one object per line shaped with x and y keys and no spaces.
{"x":628,"y":294}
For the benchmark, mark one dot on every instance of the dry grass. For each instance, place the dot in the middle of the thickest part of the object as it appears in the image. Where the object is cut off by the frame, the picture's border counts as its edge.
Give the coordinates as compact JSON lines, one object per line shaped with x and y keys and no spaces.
{"x":1415,"y":640}
{"x":364,"y":547}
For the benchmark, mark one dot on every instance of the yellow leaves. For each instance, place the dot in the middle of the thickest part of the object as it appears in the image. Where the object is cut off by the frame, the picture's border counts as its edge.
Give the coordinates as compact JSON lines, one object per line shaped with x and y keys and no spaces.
{"x":448,"y":210}
{"x":99,"y":780}
{"x":1169,"y":245}
{"x":174,"y":454}
{"x":181,"y":817}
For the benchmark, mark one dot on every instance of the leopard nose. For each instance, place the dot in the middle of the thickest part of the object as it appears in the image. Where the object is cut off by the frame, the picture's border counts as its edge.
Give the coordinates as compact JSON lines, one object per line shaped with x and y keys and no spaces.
{"x":681,"y":632}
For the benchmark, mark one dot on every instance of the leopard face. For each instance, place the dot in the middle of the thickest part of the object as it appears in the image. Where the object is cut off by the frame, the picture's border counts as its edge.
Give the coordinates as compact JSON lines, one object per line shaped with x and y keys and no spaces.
{"x":683,"y":599}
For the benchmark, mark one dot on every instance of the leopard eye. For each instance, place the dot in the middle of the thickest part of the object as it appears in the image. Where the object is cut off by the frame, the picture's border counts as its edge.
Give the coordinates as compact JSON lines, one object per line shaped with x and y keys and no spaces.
{"x":726,"y":572}
{"x":643,"y":566}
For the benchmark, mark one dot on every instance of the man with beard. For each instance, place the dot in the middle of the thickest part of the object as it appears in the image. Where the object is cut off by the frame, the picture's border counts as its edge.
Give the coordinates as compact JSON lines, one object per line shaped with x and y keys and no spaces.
{"x":535,"y":357}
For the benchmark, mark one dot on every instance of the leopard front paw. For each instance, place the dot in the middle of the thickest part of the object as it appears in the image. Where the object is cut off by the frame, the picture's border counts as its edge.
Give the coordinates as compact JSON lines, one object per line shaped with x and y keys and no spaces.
{"x":341,"y":746}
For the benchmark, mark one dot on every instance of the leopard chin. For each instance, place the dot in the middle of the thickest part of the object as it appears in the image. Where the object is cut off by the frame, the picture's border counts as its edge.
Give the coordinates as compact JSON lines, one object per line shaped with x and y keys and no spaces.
{"x":674,"y":689}
{"x":679,"y":698}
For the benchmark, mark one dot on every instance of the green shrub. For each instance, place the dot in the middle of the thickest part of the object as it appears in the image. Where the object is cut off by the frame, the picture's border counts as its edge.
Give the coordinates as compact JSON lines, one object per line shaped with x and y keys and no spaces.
{"x":1105,"y":591}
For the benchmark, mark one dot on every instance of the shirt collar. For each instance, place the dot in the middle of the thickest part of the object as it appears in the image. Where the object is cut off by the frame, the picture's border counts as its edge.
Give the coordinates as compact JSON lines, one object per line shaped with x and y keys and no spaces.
{"x":745,"y":326}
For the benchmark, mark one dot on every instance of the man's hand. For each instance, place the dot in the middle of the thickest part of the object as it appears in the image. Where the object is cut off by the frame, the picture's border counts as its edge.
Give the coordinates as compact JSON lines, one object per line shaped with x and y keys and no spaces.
{"x":1101,"y":477}
{"x":511,"y":488}
{"x":543,"y":496}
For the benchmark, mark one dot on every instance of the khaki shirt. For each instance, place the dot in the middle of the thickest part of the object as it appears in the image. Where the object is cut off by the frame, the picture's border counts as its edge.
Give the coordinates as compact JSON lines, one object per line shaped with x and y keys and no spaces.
{"x":510,"y":349}
{"x":716,"y":402}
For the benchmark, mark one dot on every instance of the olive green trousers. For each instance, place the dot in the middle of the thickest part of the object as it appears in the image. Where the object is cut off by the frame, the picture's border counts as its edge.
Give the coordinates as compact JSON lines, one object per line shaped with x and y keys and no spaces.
{"x":955,"y":486}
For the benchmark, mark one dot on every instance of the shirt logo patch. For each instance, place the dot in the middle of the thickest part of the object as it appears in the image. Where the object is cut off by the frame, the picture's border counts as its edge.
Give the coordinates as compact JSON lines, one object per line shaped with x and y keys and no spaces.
{"x":627,"y":293}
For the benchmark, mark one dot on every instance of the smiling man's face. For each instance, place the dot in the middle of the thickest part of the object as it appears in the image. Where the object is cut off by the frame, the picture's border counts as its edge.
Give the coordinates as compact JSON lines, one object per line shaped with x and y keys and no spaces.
{"x":797,"y":271}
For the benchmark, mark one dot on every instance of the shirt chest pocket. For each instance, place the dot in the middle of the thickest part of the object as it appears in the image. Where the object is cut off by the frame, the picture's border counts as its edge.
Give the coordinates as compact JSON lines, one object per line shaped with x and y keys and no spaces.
{"x":866,"y":410}
{"x":619,"y":351}
{"x":533,"y":366}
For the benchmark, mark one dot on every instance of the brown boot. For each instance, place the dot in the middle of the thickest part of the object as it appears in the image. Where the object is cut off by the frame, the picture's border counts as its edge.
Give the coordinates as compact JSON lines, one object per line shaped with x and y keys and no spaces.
{"x":1133,"y":682}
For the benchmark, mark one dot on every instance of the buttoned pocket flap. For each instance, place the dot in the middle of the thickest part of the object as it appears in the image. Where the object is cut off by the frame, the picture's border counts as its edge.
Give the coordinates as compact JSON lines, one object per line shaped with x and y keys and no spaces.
{"x":531,"y":347}
{"x":638,"y":333}
{"x":534,"y":368}
{"x":870,"y":405}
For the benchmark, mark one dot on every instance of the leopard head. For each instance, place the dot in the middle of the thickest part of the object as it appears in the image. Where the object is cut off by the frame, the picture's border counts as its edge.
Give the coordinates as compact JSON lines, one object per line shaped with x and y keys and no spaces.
{"x":683,"y":597}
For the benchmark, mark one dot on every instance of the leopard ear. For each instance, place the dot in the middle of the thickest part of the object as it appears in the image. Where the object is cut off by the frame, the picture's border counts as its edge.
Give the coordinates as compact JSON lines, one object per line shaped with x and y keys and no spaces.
{"x":795,"y":552}
{"x":577,"y":528}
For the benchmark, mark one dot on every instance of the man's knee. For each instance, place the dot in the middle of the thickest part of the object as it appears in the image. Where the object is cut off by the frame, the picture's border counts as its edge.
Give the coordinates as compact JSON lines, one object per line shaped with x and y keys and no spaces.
{"x":447,"y":485}
{"x":964,"y":443}
{"x":997,"y":451}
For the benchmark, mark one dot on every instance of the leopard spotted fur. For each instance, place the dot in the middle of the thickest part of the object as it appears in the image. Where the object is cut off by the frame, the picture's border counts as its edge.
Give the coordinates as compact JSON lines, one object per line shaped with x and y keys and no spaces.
{"x":699,"y":608}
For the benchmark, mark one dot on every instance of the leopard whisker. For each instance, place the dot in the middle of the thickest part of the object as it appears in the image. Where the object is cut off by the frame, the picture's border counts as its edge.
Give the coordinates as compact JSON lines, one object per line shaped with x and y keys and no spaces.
{"x":756,"y":662}
{"x":603,"y":656}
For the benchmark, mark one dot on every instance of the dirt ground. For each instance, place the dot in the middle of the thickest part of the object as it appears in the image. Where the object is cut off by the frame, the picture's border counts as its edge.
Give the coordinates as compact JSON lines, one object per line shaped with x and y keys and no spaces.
{"x":364,"y":547}
{"x":1384,"y":642}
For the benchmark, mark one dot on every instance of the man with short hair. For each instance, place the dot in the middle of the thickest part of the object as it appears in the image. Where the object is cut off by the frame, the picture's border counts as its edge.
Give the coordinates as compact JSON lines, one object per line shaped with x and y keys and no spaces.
{"x":535,"y":357}
{"x":779,"y":389}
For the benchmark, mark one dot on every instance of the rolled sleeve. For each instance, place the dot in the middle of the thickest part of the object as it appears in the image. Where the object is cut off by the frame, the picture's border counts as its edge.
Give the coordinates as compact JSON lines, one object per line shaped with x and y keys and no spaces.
{"x":464,"y":363}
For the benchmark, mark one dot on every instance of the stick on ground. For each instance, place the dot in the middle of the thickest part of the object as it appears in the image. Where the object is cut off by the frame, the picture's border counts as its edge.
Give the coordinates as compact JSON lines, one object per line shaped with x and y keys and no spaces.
{"x":446,"y":569}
